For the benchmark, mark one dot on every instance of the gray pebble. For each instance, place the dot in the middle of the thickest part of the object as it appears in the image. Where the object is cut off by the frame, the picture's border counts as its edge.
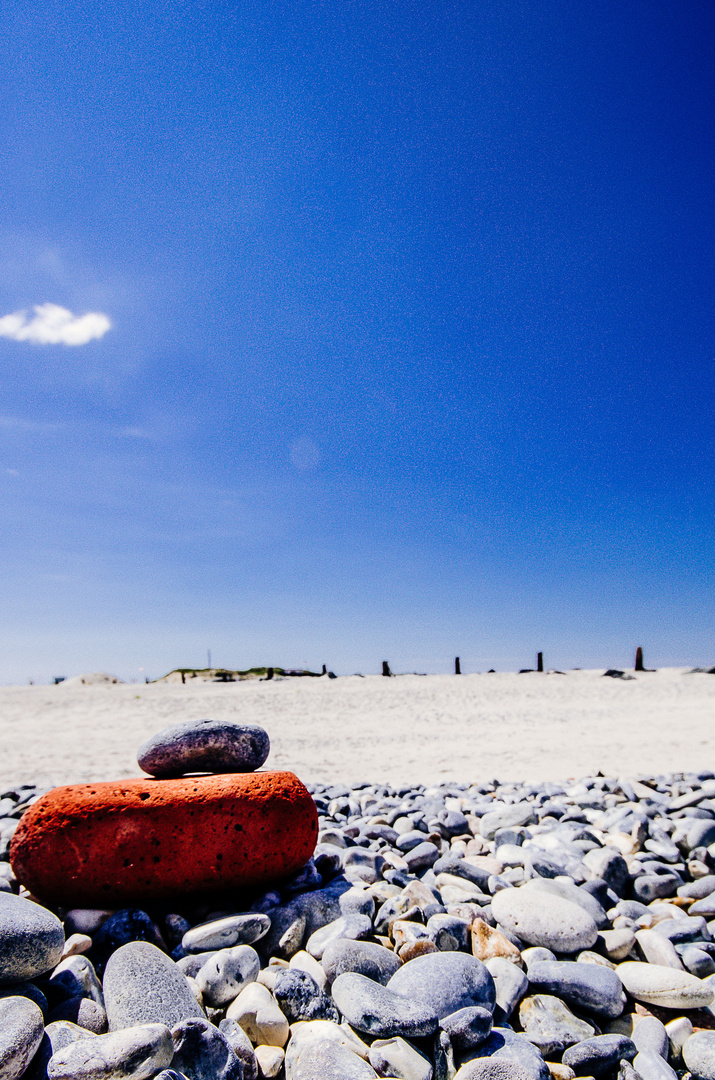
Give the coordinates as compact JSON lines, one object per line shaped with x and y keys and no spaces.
{"x":135,"y":1053}
{"x":598,"y":1056}
{"x":510,"y":984}
{"x":241,"y":1045}
{"x":82,"y":1011}
{"x":364,"y":957}
{"x":143,"y":986}
{"x":651,"y":1066}
{"x":202,"y":1052}
{"x":21,"y":1031}
{"x":467,"y":1027}
{"x":214,"y":746}
{"x":588,"y":987}
{"x":650,"y":1034}
{"x":506,"y":1047}
{"x":558,"y":924}
{"x":224,"y":933}
{"x":378,"y":1010}
{"x":444,"y":982}
{"x":550,"y":1025}
{"x":224,"y":975}
{"x":353,"y":927}
{"x":31,"y":939}
{"x":699,"y":1054}
{"x":300,"y":997}
{"x":320,"y":1058}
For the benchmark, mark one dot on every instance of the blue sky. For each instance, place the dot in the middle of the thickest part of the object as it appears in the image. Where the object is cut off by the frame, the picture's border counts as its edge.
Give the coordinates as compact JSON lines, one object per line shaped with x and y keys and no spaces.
{"x":411,"y":335}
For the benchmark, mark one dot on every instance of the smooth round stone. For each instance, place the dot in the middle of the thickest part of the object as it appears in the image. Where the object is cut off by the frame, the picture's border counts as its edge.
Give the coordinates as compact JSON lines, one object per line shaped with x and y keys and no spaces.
{"x":354,"y":927}
{"x":651,"y":1066}
{"x":567,"y":890}
{"x":224,"y":975}
{"x":545,"y":920}
{"x":136,"y":1053}
{"x":213,"y":746}
{"x":116,"y":841}
{"x":486,"y":1069}
{"x":58,"y":1034}
{"x":395,"y":1057}
{"x":377,"y":1010}
{"x":315,"y":1058}
{"x":202,"y":1052}
{"x":444,"y":982}
{"x":31,"y":939}
{"x":588,"y":987}
{"x":364,"y":957}
{"x":599,"y":1055}
{"x":699,"y":1054}
{"x":664,"y":986}
{"x":649,"y":1034}
{"x":510,"y":984}
{"x":507,"y":1049}
{"x":76,"y":975}
{"x":224,"y":933}
{"x":504,"y":818}
{"x":143,"y":986}
{"x":300,"y":997}
{"x":550,"y":1025}
{"x":467,"y":1027}
{"x":21,"y":1031}
{"x":82,"y":1011}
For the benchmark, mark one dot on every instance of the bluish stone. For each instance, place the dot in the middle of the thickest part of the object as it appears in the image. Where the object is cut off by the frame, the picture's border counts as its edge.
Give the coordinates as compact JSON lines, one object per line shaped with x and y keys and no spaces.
{"x":21,"y":1031}
{"x":300,"y":997}
{"x":444,"y":982}
{"x":377,"y":1010}
{"x":600,"y":1055}
{"x":590,"y":987}
{"x":31,"y":939}
{"x":202,"y":1052}
{"x":143,"y":986}
{"x":364,"y":957}
{"x":206,"y":746}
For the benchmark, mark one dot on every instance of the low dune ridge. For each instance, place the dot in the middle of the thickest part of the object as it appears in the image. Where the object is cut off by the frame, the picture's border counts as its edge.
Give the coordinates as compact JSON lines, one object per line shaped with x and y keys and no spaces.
{"x":407,"y":729}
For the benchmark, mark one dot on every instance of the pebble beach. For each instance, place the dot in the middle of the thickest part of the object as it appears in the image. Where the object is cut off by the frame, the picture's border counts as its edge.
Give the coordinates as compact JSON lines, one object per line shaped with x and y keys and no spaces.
{"x":512,"y":878}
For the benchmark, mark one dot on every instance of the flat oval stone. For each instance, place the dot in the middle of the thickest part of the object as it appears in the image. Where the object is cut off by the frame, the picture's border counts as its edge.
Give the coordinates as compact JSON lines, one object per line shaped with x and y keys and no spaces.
{"x":699,"y":1054}
{"x":213,"y":746}
{"x":588,"y":987}
{"x":223,"y":933}
{"x":665,"y":986}
{"x":136,"y":1053}
{"x":365,"y":957}
{"x":546,"y":920}
{"x":31,"y":939}
{"x":313,"y":1058}
{"x":21,"y":1031}
{"x":599,"y":1055}
{"x":138,"y":839}
{"x":445,"y":982}
{"x":143,"y":986}
{"x":377,"y":1010}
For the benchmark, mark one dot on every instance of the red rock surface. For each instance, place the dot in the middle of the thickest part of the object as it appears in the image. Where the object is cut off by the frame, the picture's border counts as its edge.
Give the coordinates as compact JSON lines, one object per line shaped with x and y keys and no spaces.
{"x":106,"y":844}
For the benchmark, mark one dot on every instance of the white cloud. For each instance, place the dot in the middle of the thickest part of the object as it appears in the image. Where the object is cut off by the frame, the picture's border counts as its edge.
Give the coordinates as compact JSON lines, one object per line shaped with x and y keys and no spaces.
{"x":54,"y":325}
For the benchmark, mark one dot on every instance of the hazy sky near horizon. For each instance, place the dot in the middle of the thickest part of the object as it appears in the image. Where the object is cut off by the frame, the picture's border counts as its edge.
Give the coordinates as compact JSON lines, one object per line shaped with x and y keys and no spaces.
{"x":341,"y":332}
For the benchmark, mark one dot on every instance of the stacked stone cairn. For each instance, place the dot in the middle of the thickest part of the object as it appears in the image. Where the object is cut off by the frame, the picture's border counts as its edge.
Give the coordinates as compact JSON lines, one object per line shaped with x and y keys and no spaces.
{"x":489,"y":931}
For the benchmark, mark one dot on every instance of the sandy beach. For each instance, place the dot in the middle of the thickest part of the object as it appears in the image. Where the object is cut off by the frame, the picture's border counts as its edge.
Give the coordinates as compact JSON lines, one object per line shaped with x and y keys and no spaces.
{"x":407,"y":729}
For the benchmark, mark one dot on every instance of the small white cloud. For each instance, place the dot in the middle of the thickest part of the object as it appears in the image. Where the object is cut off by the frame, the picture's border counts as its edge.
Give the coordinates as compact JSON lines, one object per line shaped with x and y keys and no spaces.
{"x":54,"y":325}
{"x":304,"y":454}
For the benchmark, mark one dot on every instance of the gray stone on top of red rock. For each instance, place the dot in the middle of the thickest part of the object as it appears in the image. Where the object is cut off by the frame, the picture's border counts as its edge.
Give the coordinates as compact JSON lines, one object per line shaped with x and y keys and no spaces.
{"x":200,"y":746}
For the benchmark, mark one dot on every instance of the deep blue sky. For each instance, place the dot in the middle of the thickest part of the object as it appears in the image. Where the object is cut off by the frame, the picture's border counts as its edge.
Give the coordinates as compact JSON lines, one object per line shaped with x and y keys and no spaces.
{"x":412,"y":334}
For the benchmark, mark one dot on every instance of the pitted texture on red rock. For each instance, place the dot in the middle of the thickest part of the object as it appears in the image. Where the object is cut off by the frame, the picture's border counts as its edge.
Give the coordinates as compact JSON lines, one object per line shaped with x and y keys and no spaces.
{"x":204,"y":746}
{"x":96,"y":844}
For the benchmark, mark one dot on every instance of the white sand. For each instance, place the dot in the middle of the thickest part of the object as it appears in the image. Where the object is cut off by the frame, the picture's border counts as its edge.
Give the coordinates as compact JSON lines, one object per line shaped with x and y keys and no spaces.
{"x":405,"y":729}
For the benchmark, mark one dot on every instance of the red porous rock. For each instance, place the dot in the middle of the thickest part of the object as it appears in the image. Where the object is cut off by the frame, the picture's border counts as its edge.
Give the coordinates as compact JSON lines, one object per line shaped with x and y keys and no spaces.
{"x":93,"y":845}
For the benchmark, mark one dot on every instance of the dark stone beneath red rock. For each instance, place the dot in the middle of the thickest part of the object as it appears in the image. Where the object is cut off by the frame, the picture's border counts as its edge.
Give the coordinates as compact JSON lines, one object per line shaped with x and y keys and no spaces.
{"x":109,"y":843}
